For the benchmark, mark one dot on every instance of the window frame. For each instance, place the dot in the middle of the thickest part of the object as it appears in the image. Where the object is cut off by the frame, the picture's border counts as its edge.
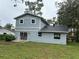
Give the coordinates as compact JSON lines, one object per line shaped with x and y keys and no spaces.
{"x":57,"y":35}
{"x":20,"y":21}
{"x":34,"y":21}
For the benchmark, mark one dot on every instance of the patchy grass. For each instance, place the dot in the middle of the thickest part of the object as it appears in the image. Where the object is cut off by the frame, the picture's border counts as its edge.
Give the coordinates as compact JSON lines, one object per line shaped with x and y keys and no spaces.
{"x":30,"y":50}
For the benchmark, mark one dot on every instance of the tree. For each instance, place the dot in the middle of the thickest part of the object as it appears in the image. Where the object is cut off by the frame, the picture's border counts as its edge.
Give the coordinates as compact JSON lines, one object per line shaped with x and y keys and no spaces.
{"x":33,"y":7}
{"x":52,"y":21}
{"x":68,"y":14}
{"x":8,"y":26}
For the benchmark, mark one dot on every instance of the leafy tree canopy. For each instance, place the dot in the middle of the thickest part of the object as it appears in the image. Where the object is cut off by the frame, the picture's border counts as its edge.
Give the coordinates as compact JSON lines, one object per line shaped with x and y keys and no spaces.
{"x":68,"y":13}
{"x":8,"y":26}
{"x":33,"y":7}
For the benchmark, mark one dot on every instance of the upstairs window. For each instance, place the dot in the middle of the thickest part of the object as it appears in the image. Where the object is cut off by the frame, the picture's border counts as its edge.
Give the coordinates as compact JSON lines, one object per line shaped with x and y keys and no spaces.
{"x":21,"y":21}
{"x":39,"y":34}
{"x":33,"y":21}
{"x":56,"y":35}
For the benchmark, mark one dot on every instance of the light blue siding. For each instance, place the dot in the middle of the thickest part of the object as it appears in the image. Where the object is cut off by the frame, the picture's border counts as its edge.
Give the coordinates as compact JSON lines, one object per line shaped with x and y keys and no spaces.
{"x":27,"y":25}
{"x":17,"y":34}
{"x":46,"y":38}
{"x":33,"y":29}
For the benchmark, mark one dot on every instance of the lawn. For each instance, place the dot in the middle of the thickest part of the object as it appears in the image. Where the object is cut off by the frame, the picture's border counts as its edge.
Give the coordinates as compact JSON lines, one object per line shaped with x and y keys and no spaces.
{"x":30,"y":50}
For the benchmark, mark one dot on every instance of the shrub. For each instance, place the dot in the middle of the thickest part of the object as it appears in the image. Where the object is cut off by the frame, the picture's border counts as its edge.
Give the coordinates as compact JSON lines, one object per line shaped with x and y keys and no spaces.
{"x":1,"y":37}
{"x":7,"y":37}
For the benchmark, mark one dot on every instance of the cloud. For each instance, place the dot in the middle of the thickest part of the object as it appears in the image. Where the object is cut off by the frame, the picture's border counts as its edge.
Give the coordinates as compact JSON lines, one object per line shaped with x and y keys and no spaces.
{"x":8,"y":12}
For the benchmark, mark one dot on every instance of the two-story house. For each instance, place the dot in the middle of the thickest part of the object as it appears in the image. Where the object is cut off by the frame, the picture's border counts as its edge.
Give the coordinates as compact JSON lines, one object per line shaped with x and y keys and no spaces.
{"x":34,"y":28}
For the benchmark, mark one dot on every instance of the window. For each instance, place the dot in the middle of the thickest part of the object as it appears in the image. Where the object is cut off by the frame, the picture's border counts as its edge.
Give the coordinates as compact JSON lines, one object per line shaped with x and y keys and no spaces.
{"x":39,"y":34}
{"x":56,"y":35}
{"x":4,"y":33}
{"x":33,"y":21}
{"x":21,"y":21}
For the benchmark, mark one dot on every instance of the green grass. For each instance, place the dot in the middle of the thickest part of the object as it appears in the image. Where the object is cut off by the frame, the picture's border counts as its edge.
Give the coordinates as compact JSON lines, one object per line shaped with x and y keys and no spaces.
{"x":30,"y":50}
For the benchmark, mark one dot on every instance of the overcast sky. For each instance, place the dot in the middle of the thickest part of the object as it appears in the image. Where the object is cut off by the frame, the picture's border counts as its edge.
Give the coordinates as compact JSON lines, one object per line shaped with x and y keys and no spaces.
{"x":8,"y":12}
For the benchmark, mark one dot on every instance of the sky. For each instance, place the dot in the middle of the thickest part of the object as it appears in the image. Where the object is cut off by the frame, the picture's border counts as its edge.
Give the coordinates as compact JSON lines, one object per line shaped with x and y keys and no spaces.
{"x":8,"y":12}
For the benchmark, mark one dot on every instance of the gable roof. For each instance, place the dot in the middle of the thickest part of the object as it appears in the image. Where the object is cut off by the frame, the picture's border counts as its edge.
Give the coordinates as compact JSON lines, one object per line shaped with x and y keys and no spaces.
{"x":2,"y":31}
{"x":42,"y":19}
{"x":58,"y":29}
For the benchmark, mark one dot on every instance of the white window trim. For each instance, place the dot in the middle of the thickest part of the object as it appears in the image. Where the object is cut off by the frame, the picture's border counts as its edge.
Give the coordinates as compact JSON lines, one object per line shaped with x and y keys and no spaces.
{"x":20,"y":20}
{"x":33,"y":19}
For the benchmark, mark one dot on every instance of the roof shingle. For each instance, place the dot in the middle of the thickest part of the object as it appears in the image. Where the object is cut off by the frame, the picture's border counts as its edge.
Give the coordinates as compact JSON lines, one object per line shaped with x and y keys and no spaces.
{"x":57,"y":28}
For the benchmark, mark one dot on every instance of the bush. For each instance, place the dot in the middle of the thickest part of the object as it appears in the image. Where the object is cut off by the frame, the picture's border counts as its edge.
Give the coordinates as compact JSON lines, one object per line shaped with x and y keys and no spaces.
{"x":7,"y":37}
{"x":1,"y":37}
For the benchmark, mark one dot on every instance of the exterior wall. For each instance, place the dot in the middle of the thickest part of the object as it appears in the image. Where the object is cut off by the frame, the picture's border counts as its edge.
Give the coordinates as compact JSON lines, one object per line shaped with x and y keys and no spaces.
{"x":17,"y":34}
{"x":32,"y":31}
{"x":27,"y":25}
{"x":46,"y":38}
{"x":42,"y":25}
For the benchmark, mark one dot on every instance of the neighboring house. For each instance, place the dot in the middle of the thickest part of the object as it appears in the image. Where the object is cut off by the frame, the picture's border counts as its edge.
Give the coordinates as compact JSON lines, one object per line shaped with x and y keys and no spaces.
{"x":34,"y":28}
{"x":4,"y":31}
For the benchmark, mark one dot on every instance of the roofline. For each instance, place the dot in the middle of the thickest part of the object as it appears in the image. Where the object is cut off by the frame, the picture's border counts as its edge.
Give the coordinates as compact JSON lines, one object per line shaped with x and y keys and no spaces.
{"x":27,"y":14}
{"x":32,"y":15}
{"x":55,"y":32}
{"x":42,"y":19}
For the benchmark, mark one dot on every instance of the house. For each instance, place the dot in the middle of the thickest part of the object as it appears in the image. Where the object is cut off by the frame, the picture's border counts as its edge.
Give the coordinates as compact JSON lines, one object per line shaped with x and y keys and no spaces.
{"x":3,"y":31}
{"x":34,"y":28}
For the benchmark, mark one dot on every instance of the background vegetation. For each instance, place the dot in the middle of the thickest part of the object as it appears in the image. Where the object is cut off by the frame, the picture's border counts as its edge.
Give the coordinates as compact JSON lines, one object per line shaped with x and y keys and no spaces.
{"x":68,"y":14}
